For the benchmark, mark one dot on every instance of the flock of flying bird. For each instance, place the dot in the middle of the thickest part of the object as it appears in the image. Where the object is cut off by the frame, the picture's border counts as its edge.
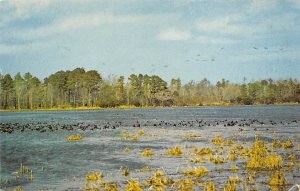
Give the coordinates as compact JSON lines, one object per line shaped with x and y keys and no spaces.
{"x":199,"y":58}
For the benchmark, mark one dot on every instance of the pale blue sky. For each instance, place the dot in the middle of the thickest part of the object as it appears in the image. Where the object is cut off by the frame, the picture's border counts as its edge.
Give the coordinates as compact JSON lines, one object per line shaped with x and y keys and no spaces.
{"x":190,"y":39}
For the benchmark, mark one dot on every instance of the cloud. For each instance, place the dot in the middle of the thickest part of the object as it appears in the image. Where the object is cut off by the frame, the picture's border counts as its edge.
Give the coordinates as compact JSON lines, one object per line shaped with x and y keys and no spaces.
{"x":24,"y":8}
{"x":215,"y":40}
{"x":225,"y":25}
{"x":263,"y":4}
{"x":75,"y":22}
{"x":7,"y":49}
{"x":173,"y":35}
{"x":95,"y":20}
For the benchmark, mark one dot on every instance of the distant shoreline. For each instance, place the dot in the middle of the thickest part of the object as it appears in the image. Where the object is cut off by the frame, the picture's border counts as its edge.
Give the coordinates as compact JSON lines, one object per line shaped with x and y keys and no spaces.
{"x":143,"y":107}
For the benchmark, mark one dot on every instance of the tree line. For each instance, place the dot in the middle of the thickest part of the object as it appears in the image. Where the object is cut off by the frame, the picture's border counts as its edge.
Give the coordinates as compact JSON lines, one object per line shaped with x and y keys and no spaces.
{"x":81,"y":88}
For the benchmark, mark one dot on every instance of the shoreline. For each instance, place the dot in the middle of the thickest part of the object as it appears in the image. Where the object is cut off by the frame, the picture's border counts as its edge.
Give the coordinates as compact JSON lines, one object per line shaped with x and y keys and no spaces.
{"x":142,"y":107}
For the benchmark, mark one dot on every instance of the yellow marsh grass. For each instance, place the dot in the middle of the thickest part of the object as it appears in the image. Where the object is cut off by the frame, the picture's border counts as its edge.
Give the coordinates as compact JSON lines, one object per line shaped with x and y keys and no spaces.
{"x":147,"y":153}
{"x":176,"y":151}
{"x":203,"y":151}
{"x":93,"y":176}
{"x":133,"y":185}
{"x":269,"y":162}
{"x":75,"y":138}
{"x":196,"y":172}
{"x":278,"y":179}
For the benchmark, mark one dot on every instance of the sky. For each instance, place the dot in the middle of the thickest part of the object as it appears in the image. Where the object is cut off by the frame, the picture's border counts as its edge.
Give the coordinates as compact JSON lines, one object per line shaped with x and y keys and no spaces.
{"x":190,"y":39}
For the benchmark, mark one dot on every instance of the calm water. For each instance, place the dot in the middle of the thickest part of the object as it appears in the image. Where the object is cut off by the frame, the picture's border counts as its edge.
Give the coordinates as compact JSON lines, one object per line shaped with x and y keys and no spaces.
{"x":59,"y":164}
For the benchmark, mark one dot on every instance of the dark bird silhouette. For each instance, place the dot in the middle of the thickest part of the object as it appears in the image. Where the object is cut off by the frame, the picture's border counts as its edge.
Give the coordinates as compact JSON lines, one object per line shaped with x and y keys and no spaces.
{"x":255,"y":48}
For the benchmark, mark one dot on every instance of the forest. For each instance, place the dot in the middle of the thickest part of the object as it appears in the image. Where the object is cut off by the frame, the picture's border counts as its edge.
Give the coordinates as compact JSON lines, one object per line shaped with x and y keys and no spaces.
{"x":88,"y":89}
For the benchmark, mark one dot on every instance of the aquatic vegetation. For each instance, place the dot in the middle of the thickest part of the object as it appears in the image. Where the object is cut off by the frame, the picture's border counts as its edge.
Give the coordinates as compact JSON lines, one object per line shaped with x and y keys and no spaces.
{"x":196,"y":172}
{"x":216,"y":159}
{"x":191,"y":136}
{"x":245,"y":153}
{"x":289,"y":164}
{"x":109,"y":186}
{"x":30,"y":176}
{"x":125,"y":171}
{"x":250,"y":177}
{"x":276,"y":144}
{"x":218,"y":140}
{"x":231,"y":187}
{"x":176,"y":151}
{"x":203,"y":151}
{"x":19,"y":188}
{"x":234,"y":179}
{"x":234,"y":168}
{"x":238,"y":147}
{"x":228,"y":142}
{"x":125,"y":133}
{"x":93,"y":176}
{"x":135,"y":138}
{"x":278,"y":179}
{"x":140,"y":132}
{"x":197,"y":160}
{"x":126,"y":149}
{"x":147,"y":152}
{"x":292,"y":157}
{"x":133,"y":185}
{"x":145,"y":169}
{"x":75,"y":138}
{"x":24,"y":170}
{"x":210,"y":186}
{"x":232,"y":155}
{"x":159,"y":181}
{"x":184,"y":184}
{"x":258,"y":148}
{"x":269,"y":162}
{"x":232,"y":184}
{"x":288,"y":144}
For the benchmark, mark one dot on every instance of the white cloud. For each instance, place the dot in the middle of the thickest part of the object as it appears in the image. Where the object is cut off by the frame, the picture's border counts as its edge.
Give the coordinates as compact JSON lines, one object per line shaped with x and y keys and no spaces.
{"x":263,"y":4}
{"x":7,"y":49}
{"x":25,"y":7}
{"x":215,"y":40}
{"x":173,"y":35}
{"x":73,"y":23}
{"x":95,"y":20}
{"x":225,"y":25}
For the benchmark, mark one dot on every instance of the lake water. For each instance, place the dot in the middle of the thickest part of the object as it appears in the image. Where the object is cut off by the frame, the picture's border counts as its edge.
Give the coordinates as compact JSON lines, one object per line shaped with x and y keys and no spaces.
{"x":59,"y":164}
